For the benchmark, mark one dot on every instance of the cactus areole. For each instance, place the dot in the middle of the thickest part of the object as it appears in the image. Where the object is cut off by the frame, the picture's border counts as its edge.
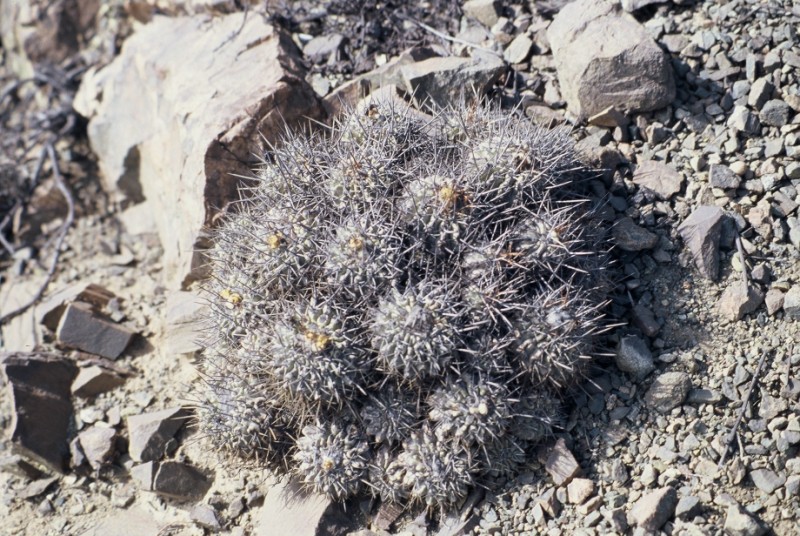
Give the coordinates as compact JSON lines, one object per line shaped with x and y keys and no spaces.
{"x":400,"y":302}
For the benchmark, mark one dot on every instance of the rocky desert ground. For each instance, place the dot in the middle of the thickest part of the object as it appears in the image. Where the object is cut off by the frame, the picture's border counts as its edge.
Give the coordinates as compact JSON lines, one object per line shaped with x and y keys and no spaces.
{"x":127,"y":127}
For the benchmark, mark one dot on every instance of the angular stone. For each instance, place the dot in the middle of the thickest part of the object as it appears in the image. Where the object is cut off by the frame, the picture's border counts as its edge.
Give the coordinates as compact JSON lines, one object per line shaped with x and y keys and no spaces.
{"x":630,"y":237}
{"x":98,"y":444}
{"x":658,"y":177}
{"x":519,"y":49}
{"x":634,"y":5}
{"x":739,"y":299}
{"x":740,"y":522}
{"x":202,"y":125}
{"x":93,"y":380}
{"x":80,"y":328}
{"x":441,"y":81}
{"x":180,"y":481}
{"x":654,"y":509}
{"x":560,"y":464}
{"x":644,"y":319}
{"x":668,"y":391}
{"x":289,"y":509}
{"x":744,"y":121}
{"x":688,"y":507}
{"x":185,"y":313}
{"x":143,"y":473}
{"x":791,"y":302}
{"x":701,"y":233}
{"x":634,"y":357}
{"x":604,"y":57}
{"x":42,"y":407}
{"x":609,"y":118}
{"x":150,"y":432}
{"x":579,"y":490}
{"x":767,"y":480}
{"x":18,"y":466}
{"x":321,"y":47}
{"x":760,"y":92}
{"x":205,"y":516}
{"x":773,"y":301}
{"x":720,"y":176}
{"x":484,"y":11}
{"x":775,"y":113}
{"x":36,"y":488}
{"x":49,"y":312}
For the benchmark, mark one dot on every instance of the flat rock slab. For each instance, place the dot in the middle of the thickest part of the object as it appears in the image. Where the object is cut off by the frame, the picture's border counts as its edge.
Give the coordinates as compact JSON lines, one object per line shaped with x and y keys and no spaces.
{"x":658,"y":177}
{"x":150,"y":432}
{"x":185,"y":322}
{"x":40,"y":392}
{"x":288,"y":509}
{"x":81,"y":328}
{"x":605,"y":57}
{"x":668,"y":391}
{"x":442,"y":81}
{"x":93,"y":380}
{"x":180,"y":481}
{"x":654,"y":509}
{"x":204,"y":90}
{"x":701,"y":233}
{"x":49,"y":312}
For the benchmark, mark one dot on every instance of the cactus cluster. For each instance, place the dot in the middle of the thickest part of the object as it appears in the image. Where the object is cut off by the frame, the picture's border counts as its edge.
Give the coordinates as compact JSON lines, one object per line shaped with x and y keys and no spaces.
{"x":400,"y":302}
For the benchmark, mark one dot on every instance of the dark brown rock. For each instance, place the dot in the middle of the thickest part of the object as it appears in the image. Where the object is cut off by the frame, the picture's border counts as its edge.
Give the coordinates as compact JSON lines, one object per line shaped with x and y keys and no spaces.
{"x":49,"y":312}
{"x":39,"y":385}
{"x":82,"y":329}
{"x":150,"y":432}
{"x":180,"y":481}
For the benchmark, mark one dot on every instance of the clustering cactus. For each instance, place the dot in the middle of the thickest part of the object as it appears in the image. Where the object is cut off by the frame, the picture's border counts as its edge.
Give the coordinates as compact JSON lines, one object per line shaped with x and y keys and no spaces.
{"x":401,"y":301}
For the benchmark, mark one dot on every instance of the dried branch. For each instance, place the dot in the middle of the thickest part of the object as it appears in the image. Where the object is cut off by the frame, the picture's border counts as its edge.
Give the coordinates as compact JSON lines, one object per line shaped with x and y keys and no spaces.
{"x":62,"y":187}
{"x":745,"y":402}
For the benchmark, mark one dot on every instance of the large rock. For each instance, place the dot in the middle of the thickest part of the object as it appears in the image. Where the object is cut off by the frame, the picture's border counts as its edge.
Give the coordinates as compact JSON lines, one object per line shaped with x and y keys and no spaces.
{"x":604,"y":57}
{"x":39,"y":385}
{"x":441,"y":81}
{"x":182,"y":111}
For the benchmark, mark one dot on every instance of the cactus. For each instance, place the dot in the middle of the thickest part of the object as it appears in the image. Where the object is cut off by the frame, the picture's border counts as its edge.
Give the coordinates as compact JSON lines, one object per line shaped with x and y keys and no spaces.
{"x":400,"y":302}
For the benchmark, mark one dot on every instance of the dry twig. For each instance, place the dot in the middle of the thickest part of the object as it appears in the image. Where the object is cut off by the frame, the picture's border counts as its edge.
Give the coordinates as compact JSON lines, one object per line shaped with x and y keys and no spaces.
{"x":745,"y":402}
{"x":62,"y":233}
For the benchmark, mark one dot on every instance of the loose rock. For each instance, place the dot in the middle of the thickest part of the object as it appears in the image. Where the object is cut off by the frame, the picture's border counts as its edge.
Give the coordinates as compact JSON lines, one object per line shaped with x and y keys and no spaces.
{"x":791,"y":302}
{"x":668,"y":391}
{"x":720,"y":176}
{"x":180,"y":481}
{"x":80,"y":328}
{"x":738,"y":299}
{"x":93,"y":380}
{"x":150,"y":432}
{"x":658,"y":177}
{"x":604,"y":57}
{"x":701,"y":234}
{"x":561,"y":464}
{"x":739,"y":522}
{"x":42,"y":407}
{"x":630,"y":237}
{"x":654,"y":509}
{"x":98,"y":444}
{"x":634,"y":357}
{"x":444,"y":80}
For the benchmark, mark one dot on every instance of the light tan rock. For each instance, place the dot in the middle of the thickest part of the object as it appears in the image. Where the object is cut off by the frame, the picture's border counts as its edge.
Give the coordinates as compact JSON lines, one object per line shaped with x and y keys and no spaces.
{"x":605,"y":57}
{"x":180,"y":114}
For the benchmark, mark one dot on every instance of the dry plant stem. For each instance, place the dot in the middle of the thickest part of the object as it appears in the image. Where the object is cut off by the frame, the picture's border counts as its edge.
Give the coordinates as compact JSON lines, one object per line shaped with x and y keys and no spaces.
{"x":741,"y":257}
{"x":745,"y":402}
{"x":446,"y":37}
{"x":62,"y":233}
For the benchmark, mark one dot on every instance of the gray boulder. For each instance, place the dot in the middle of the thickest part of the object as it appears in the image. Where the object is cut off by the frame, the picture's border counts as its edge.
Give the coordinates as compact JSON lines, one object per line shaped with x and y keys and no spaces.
{"x":604,"y":57}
